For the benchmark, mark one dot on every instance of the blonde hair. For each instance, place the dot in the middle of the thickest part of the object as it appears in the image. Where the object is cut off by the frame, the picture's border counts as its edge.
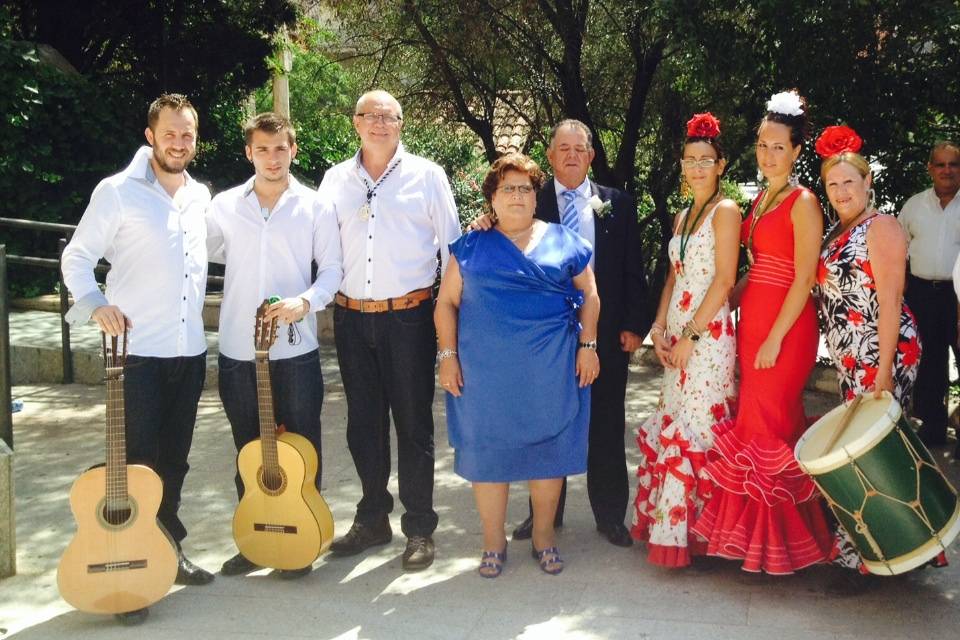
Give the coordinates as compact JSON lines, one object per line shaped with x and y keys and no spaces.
{"x":855,"y":160}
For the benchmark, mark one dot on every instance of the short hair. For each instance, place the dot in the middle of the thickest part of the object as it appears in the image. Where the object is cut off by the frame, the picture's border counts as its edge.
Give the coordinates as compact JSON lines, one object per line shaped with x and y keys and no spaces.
{"x":940,"y":146}
{"x":176,"y":101}
{"x":852,"y":158}
{"x":379,"y":94}
{"x":269,"y":122}
{"x":511,"y":162}
{"x":575,"y":124}
{"x":800,"y":127}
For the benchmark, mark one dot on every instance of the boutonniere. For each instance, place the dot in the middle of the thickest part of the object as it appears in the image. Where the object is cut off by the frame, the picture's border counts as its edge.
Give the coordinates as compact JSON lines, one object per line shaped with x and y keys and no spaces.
{"x":599,"y":207}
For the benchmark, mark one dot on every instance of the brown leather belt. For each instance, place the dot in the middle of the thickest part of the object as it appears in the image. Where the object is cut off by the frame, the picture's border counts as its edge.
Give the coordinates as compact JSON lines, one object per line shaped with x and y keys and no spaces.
{"x":408,"y":301}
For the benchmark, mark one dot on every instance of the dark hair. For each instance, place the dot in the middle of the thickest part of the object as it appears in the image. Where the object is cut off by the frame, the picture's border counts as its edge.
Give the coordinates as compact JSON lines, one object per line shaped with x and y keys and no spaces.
{"x":713,"y":142}
{"x":176,"y":101}
{"x":269,"y":122}
{"x":800,"y":127}
{"x":510,"y":162}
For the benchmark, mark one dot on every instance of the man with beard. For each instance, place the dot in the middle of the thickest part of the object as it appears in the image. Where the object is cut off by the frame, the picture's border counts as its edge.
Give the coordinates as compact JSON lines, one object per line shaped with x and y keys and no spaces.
{"x":148,"y":222}
{"x":268,"y":231}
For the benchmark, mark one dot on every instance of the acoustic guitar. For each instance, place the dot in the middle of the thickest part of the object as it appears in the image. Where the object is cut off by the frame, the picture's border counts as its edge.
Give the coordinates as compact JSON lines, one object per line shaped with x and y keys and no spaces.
{"x":281,"y":522}
{"x":120,"y":559}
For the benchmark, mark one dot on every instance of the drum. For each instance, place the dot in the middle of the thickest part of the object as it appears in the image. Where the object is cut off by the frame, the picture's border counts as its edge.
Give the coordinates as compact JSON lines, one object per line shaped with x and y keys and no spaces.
{"x":882,"y":484}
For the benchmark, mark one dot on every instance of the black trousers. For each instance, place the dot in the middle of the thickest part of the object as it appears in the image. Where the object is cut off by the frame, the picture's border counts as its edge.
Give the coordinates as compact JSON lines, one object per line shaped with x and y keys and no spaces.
{"x":607,"y":479}
{"x":297,"y":385}
{"x":934,"y":303}
{"x":387,"y":366}
{"x":160,"y":397}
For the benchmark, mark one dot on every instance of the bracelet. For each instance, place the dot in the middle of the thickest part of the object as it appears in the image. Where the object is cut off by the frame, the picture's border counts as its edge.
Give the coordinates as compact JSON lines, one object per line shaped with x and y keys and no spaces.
{"x":658,"y":328}
{"x":445,"y":353}
{"x":690,"y":331}
{"x":589,"y":344}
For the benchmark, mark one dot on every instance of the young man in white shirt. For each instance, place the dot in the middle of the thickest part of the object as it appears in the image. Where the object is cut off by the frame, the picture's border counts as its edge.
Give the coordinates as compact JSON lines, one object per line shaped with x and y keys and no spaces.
{"x":396,"y":212}
{"x":147,"y":221}
{"x":931,"y":220}
{"x":267,"y":232}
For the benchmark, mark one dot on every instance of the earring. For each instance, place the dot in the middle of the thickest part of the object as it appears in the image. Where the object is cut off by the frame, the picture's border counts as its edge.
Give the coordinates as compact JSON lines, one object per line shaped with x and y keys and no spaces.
{"x":684,"y":187}
{"x":832,"y":216}
{"x":793,"y":180}
{"x":871,"y":199}
{"x":759,"y":176}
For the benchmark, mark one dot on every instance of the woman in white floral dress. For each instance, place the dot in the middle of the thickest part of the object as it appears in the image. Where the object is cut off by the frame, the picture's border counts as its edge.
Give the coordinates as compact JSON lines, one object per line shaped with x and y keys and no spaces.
{"x":694,"y":340}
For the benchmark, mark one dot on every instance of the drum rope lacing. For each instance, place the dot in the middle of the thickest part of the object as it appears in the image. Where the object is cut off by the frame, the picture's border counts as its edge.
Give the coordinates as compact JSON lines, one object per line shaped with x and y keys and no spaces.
{"x":869,"y":490}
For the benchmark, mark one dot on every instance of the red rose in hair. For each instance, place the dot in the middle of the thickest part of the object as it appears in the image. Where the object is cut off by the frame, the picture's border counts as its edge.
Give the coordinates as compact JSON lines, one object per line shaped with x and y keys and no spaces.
{"x":703,"y":125}
{"x":836,"y":140}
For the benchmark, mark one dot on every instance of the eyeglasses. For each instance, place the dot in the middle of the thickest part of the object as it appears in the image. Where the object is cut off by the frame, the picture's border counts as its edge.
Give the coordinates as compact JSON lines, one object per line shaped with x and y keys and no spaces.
{"x":522,"y":188}
{"x":703,"y":163}
{"x":385,"y":118}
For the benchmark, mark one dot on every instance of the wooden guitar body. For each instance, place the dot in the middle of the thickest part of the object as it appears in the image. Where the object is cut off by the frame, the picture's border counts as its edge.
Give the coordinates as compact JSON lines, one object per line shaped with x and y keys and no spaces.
{"x":283,"y":527}
{"x":114,"y":568}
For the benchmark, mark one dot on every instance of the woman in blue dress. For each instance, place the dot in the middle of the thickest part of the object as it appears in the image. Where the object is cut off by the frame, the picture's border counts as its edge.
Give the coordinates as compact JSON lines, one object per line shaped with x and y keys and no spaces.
{"x":516,"y":320}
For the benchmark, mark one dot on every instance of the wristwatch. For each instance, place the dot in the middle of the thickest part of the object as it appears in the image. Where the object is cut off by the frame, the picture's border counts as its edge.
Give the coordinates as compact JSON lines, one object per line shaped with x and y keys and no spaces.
{"x":689,"y":332}
{"x":589,"y":344}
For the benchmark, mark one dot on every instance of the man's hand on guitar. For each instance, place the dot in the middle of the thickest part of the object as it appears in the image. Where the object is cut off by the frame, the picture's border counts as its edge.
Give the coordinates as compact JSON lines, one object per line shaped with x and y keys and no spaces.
{"x":111,"y":319}
{"x":288,"y":310}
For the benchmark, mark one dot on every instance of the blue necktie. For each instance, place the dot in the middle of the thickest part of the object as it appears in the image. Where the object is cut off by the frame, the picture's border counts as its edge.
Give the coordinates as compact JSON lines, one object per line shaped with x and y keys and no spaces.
{"x":570,"y":218}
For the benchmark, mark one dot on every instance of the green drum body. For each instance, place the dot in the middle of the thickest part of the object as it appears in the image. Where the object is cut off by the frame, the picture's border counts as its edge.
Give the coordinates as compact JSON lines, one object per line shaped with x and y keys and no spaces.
{"x":882,"y":484}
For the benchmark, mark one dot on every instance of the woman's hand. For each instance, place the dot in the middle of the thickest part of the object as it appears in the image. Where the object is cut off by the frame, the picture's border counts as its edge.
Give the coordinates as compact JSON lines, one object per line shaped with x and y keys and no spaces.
{"x":661,"y":347}
{"x":767,"y":354}
{"x":588,"y":366}
{"x":883,"y":382}
{"x":680,"y":354}
{"x":451,"y":378}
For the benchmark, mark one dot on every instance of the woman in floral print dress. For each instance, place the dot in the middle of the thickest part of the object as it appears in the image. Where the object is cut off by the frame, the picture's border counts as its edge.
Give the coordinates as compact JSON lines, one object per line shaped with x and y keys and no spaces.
{"x":694,"y":340}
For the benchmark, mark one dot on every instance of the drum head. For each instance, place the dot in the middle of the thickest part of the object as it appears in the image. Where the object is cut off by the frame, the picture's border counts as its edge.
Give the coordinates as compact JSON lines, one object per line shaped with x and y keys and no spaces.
{"x":873,"y":420}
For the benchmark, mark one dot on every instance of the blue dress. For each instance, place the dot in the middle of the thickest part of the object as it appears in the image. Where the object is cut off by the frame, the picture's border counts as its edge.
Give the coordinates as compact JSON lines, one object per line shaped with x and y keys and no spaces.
{"x":522,"y":415}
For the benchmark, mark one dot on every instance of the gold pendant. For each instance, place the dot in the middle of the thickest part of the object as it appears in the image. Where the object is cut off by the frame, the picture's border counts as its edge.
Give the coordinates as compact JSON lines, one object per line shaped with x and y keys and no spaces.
{"x":750,"y":257}
{"x":364,"y":212}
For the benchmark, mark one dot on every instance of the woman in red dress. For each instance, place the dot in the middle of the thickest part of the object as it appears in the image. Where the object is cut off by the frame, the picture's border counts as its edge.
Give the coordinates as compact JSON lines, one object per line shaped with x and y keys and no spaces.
{"x":764,"y":510}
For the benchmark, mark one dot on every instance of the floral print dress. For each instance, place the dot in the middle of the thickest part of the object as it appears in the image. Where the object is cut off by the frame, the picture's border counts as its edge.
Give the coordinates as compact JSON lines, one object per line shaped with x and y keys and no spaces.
{"x":849,"y":312}
{"x":693,"y":403}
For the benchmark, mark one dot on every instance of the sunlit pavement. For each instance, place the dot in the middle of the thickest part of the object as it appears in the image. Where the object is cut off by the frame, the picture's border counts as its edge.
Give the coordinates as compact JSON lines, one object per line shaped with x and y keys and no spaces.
{"x":605,"y":591}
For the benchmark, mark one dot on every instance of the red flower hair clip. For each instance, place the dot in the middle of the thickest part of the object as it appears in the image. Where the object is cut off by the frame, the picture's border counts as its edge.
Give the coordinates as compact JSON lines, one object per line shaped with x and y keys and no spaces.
{"x":836,"y":140}
{"x":703,"y":125}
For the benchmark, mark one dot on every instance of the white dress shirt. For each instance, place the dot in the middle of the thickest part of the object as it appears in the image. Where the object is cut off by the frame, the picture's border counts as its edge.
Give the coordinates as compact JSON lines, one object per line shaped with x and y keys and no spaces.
{"x":156,"y":248}
{"x":272,"y":257}
{"x":412,"y":216}
{"x":934,"y":234}
{"x":587,"y":229}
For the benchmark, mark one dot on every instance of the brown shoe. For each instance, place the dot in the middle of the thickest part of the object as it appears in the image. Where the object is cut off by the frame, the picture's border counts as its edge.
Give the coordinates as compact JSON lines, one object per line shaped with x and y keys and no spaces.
{"x":362,"y":537}
{"x":419,"y":553}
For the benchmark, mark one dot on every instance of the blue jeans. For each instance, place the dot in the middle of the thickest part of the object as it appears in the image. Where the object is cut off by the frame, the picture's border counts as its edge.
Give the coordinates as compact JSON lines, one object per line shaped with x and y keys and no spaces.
{"x":297,"y":398}
{"x":160,"y":398}
{"x":387,"y":366}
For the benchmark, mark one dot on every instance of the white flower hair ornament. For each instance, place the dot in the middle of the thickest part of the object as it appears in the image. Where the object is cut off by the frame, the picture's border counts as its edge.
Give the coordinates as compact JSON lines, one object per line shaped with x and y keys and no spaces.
{"x":786,"y":102}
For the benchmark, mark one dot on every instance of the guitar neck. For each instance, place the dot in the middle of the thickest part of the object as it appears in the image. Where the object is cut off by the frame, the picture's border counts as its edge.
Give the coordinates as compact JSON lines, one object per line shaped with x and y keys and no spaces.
{"x":268,"y":423}
{"x":116,"y":471}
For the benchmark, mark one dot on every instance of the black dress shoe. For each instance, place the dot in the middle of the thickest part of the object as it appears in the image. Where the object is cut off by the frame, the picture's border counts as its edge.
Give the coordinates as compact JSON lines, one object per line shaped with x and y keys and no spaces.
{"x":362,"y":537}
{"x":419,"y":553}
{"x":238,"y":565}
{"x":616,"y":533}
{"x":189,"y":573}
{"x":293,"y":574}
{"x":524,"y":530}
{"x":132,"y":618}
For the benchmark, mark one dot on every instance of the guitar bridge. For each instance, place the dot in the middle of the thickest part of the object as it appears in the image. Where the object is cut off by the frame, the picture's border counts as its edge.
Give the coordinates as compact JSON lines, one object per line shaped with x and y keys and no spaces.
{"x":274,"y":528}
{"x":125,"y":565}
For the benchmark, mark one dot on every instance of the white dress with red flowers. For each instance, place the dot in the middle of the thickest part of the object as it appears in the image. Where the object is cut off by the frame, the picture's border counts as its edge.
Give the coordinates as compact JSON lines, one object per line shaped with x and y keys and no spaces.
{"x":693,"y":402}
{"x":849,"y":312}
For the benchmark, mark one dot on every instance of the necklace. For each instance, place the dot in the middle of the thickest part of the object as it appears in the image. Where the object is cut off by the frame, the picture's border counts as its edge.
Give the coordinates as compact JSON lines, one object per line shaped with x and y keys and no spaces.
{"x":838,"y":229}
{"x":758,"y":213}
{"x":513,"y":238}
{"x":365,"y":210}
{"x":688,"y":228}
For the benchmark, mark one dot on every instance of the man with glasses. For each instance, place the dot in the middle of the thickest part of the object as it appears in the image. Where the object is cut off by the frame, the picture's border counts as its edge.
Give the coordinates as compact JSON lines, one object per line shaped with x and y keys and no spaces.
{"x":931,"y":219}
{"x":396,"y":213}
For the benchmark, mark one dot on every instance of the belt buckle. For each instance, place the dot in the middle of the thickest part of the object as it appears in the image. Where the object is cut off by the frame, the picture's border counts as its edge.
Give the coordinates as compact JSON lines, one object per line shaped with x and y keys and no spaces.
{"x":361,"y":301}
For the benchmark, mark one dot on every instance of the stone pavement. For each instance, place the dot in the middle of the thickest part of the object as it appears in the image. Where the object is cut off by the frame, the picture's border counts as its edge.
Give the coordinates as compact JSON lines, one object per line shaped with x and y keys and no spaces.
{"x":605,"y":591}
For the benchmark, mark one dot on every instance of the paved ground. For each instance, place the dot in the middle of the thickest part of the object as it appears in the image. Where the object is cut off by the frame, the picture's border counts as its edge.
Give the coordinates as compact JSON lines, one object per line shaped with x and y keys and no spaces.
{"x":605,"y":592}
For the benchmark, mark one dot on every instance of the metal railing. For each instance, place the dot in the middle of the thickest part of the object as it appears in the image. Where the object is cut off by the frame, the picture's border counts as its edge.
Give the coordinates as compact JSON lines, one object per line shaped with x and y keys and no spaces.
{"x":65,"y":231}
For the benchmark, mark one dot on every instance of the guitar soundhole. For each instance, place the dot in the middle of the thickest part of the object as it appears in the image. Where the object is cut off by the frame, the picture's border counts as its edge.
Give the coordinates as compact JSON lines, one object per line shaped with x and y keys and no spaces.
{"x":272,"y":483}
{"x":117,"y":517}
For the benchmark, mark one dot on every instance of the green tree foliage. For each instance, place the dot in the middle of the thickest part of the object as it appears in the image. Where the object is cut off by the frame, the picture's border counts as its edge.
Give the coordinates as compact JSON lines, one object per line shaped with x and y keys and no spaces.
{"x":635,"y":71}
